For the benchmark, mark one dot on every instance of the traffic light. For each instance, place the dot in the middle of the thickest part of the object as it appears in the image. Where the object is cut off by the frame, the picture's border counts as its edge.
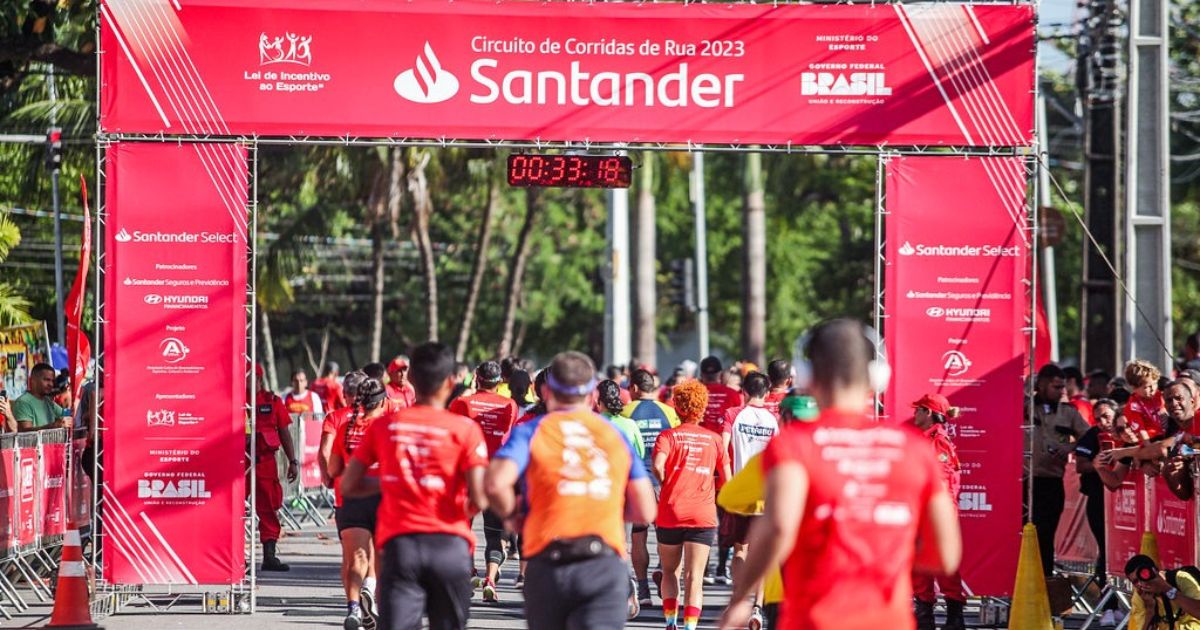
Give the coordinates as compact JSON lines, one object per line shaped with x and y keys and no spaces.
{"x":54,"y":148}
{"x":682,"y":283}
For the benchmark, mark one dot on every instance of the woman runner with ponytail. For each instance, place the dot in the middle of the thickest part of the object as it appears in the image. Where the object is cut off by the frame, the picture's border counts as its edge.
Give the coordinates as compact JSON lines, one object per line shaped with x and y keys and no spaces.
{"x":356,"y":516}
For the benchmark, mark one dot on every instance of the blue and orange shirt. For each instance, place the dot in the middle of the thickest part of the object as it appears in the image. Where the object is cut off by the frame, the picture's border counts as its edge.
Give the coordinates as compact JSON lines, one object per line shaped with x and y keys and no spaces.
{"x":575,"y":466}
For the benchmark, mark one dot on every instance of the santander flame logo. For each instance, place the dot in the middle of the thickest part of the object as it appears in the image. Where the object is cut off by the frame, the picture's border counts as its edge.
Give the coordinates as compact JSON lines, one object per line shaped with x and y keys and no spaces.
{"x":428,"y":82}
{"x":907,"y":249}
{"x":123,"y":236}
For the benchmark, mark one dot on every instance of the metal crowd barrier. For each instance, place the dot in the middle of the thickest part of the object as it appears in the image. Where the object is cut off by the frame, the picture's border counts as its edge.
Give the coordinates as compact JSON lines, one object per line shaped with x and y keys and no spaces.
{"x":38,"y":497}
{"x":305,"y":500}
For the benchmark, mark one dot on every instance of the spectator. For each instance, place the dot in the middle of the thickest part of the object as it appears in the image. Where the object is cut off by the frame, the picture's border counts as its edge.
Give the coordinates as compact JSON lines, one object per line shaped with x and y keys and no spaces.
{"x":8,"y":422}
{"x":1098,"y":382}
{"x":1167,"y":600}
{"x":782,"y":379}
{"x":1144,"y":412}
{"x":301,"y":400}
{"x":1191,"y":352}
{"x":35,"y":410}
{"x":1101,"y":437}
{"x":1056,"y":426}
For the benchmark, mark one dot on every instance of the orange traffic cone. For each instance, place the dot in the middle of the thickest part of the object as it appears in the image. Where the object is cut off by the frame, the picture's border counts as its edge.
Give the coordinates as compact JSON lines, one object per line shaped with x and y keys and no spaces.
{"x":72,"y":609}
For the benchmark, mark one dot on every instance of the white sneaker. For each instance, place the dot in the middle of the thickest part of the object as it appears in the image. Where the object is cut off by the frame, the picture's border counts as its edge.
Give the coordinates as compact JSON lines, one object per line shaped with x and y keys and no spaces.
{"x":1108,"y":619}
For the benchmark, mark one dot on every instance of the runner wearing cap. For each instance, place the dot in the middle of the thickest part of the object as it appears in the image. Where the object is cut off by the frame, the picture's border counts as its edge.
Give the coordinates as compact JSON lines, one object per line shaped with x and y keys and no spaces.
{"x":271,"y":422}
{"x":930,"y":415}
{"x":330,"y":390}
{"x":746,"y":432}
{"x":356,"y":517}
{"x":398,"y":387}
{"x":652,"y":418}
{"x":431,"y":466}
{"x":846,"y":498}
{"x":495,"y":415}
{"x":582,"y":481}
{"x":685,"y":459}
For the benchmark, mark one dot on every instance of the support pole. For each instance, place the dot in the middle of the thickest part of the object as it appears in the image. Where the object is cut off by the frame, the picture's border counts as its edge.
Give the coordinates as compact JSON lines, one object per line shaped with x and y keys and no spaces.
{"x":1050,"y":288}
{"x":701,"y":253}
{"x":617,"y":316}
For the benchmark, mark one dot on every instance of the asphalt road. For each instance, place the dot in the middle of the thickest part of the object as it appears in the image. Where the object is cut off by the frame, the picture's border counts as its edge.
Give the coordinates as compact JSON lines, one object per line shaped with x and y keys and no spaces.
{"x":310,"y":596}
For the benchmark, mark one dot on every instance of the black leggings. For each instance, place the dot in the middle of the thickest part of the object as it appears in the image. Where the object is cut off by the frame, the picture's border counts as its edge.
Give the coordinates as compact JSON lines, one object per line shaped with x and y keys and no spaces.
{"x":493,"y":534}
{"x":425,"y":574}
{"x":1049,"y":498}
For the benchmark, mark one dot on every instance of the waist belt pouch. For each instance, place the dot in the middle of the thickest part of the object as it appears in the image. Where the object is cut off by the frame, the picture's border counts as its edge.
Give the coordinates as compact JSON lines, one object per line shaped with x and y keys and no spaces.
{"x":568,"y":550}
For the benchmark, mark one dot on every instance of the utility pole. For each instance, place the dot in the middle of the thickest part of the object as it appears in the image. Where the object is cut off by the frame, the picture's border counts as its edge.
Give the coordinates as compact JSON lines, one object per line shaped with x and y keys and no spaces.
{"x":697,"y":190}
{"x":617,"y":317}
{"x":54,"y":163}
{"x":1099,"y":88}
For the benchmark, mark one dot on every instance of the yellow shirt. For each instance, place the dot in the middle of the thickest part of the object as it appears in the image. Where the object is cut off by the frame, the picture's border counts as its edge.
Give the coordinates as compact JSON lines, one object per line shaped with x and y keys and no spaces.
{"x":1188,"y":588}
{"x":744,"y":495}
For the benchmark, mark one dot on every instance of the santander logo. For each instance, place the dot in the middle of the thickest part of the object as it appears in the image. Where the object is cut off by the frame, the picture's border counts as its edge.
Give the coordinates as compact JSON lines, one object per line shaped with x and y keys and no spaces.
{"x":428,"y":82}
{"x":907,"y":249}
{"x":123,"y":236}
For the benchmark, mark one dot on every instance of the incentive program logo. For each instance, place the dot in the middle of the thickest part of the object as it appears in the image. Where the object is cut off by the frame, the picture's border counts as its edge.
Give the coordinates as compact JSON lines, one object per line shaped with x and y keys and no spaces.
{"x":273,"y":50}
{"x":160,"y":418}
{"x":428,"y":82}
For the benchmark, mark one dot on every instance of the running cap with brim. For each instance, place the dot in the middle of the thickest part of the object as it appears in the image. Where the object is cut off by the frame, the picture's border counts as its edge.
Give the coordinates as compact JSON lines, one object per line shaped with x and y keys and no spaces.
{"x":559,"y":387}
{"x":710,"y":365}
{"x":800,"y":407}
{"x":397,"y":364}
{"x":936,"y":403}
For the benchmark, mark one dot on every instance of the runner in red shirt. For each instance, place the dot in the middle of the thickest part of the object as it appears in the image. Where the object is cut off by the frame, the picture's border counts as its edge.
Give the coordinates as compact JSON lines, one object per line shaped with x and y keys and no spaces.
{"x":495,"y":415}
{"x":330,"y":390}
{"x":685,"y":459}
{"x":356,"y":517}
{"x":271,"y":422}
{"x":847,"y":557}
{"x":782,"y":379}
{"x":333,"y":420}
{"x":721,"y":397}
{"x":1077,"y":394}
{"x":431,"y":467}
{"x":302,"y":400}
{"x":398,"y":387}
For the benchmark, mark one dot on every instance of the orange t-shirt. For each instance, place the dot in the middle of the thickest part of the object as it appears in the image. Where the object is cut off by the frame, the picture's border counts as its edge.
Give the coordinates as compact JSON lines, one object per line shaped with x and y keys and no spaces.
{"x":576,"y":466}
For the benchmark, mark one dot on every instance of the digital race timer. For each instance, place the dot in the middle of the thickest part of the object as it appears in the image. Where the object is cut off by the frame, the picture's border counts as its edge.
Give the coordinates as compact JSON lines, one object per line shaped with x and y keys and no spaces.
{"x":570,"y":171}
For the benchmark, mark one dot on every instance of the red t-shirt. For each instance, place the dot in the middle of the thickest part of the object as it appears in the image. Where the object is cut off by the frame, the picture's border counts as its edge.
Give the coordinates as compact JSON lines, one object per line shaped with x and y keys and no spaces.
{"x":689,"y":494}
{"x":851,"y":566}
{"x":721,"y":398}
{"x":404,"y":394}
{"x":331,"y":393}
{"x":334,"y":420}
{"x":1145,"y":415}
{"x":773,"y":400}
{"x":423,"y":455}
{"x":269,"y":417}
{"x":345,"y":442}
{"x":494,"y":413}
{"x":1084,"y":407}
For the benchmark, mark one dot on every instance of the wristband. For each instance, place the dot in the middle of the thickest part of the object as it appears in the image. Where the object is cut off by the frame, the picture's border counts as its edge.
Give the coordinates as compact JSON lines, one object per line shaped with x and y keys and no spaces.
{"x":1172,"y":593}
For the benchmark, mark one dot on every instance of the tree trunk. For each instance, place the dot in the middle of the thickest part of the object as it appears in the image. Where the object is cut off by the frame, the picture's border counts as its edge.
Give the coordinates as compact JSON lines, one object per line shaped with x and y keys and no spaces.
{"x":377,"y":210}
{"x":422,"y":209}
{"x":754,"y":259}
{"x":316,"y":362}
{"x":645,"y":270}
{"x":477,"y":268}
{"x":516,"y":273}
{"x":268,"y":351}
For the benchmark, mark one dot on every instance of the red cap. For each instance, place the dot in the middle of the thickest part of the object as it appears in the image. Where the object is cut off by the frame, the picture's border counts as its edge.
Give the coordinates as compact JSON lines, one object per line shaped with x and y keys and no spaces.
{"x":399,"y":363}
{"x":936,"y":403}
{"x":258,"y":370}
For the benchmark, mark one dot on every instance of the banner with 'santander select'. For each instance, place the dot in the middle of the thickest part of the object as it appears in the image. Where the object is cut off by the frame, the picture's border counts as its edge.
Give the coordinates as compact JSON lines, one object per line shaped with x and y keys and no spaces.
{"x":175,"y":386}
{"x":907,"y":74}
{"x":956,"y":262}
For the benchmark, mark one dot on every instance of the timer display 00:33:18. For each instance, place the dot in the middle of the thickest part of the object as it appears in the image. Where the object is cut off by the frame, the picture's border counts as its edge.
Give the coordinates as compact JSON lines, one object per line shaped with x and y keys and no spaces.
{"x":570,"y":171}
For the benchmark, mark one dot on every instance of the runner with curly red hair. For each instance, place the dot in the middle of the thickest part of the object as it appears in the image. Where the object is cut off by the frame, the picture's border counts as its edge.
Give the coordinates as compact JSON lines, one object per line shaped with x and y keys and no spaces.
{"x":685,"y":459}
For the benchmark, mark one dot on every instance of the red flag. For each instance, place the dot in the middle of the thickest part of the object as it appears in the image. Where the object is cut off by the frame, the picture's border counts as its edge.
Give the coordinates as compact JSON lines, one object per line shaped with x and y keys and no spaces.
{"x":79,"y":350}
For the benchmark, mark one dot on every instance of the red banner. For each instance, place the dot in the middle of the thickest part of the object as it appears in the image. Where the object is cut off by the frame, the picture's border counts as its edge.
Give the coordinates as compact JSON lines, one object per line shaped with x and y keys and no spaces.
{"x":79,"y":350}
{"x":175,"y":388}
{"x":1124,"y":522}
{"x":954,"y":74}
{"x":1174,"y":525}
{"x":27,"y":524}
{"x":1074,"y":543}
{"x":53,"y":507}
{"x":956,"y":307}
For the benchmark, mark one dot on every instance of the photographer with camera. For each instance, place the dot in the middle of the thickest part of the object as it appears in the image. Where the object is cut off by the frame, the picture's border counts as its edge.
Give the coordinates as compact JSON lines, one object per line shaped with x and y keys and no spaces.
{"x":1163,"y":600}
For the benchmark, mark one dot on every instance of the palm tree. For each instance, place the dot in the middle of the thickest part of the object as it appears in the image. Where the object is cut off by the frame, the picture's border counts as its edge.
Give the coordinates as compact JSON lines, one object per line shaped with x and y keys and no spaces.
{"x":14,"y":308}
